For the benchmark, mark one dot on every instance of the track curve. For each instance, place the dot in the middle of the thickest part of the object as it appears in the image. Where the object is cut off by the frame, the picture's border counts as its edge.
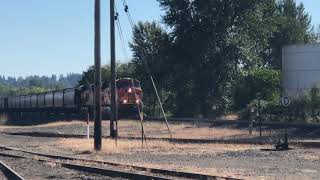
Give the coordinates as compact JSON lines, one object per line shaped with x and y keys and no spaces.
{"x":9,"y":173}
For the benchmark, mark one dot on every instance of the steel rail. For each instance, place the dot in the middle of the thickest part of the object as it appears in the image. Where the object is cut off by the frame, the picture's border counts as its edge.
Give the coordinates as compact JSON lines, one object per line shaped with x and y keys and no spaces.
{"x":9,"y":173}
{"x":170,"y":173}
{"x":314,"y":144}
{"x":235,"y":122}
{"x":94,"y":170}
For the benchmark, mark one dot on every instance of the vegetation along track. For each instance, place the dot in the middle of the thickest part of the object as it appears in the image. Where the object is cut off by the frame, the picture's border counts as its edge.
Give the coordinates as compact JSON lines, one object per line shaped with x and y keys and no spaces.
{"x":9,"y":173}
{"x":115,"y":170}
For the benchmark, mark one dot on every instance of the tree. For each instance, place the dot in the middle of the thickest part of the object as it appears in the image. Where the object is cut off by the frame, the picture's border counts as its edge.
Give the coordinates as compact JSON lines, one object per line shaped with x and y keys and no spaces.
{"x":316,"y":35}
{"x":293,"y":27}
{"x":267,"y":28}
{"x":34,"y":84}
{"x":259,"y":80}
{"x":123,"y":71}
{"x":151,"y":46}
{"x":205,"y":61}
{"x":213,"y":47}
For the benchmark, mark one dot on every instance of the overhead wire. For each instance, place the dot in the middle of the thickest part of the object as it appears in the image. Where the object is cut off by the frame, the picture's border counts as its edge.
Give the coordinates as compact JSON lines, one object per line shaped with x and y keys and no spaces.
{"x":121,"y":37}
{"x":126,"y":10}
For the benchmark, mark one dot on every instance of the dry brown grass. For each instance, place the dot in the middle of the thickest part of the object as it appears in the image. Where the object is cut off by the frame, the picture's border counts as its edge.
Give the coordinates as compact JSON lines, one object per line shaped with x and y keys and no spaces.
{"x":231,"y":117}
{"x":313,"y":156}
{"x":222,"y":172}
{"x":53,"y":124}
{"x":162,"y":147}
{"x":153,"y":146}
{"x":132,"y":128}
{"x":181,"y":130}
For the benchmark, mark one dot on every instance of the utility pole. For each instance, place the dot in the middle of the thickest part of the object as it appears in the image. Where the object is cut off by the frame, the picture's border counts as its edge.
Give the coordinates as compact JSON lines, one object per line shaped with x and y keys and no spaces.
{"x":114,"y":110}
{"x":97,"y":77}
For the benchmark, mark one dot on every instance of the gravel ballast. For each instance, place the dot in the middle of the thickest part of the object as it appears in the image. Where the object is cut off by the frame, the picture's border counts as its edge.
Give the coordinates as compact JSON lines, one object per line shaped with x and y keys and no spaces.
{"x":33,"y":169}
{"x":251,"y":163}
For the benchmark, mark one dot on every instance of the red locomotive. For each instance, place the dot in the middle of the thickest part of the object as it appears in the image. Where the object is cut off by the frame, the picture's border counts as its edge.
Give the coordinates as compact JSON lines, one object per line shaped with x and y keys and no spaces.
{"x":129,"y":95}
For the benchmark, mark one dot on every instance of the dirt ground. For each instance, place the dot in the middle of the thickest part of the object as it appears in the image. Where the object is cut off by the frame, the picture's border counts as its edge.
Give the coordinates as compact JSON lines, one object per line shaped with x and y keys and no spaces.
{"x":233,"y":160}
{"x":132,"y":128}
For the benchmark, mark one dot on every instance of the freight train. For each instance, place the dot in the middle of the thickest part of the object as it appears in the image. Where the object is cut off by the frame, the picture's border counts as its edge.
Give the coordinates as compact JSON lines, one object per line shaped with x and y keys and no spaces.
{"x":78,"y":99}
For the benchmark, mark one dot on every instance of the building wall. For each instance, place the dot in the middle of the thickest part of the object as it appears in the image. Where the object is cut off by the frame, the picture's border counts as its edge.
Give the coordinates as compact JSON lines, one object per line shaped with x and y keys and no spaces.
{"x":300,"y":68}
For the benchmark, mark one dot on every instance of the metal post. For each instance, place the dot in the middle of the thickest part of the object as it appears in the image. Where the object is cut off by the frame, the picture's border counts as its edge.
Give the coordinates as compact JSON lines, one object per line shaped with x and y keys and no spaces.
{"x":286,"y":144}
{"x":97,"y":77}
{"x":252,"y":120}
{"x":259,"y":112}
{"x":88,"y":125}
{"x":114,"y":110}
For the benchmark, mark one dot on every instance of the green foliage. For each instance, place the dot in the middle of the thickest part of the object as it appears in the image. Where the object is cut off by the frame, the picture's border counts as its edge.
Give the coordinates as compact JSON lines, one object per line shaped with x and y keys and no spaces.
{"x":123,"y":71}
{"x":205,"y":54}
{"x":151,"y":46}
{"x":6,"y":90}
{"x":293,"y":27}
{"x":314,"y":103}
{"x":34,"y":84}
{"x":218,"y":53}
{"x":304,"y":107}
{"x":260,"y":80}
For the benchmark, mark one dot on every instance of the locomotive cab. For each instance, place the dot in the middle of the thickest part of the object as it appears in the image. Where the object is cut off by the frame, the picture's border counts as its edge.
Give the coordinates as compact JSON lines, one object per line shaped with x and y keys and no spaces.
{"x":129,"y":94}
{"x":129,"y":91}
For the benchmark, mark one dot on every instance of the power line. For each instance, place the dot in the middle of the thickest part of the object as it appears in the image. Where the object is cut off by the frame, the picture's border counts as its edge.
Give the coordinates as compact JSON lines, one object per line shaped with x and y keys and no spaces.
{"x":124,"y":49}
{"x":126,"y":10}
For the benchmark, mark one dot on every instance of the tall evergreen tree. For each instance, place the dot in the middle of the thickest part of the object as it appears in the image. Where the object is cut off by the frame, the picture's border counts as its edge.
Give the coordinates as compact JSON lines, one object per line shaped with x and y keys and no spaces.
{"x":205,"y":58}
{"x":293,"y":27}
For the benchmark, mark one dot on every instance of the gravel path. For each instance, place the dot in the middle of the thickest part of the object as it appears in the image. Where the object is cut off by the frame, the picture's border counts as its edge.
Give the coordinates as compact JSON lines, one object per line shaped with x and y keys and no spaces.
{"x":33,"y":169}
{"x":298,"y":163}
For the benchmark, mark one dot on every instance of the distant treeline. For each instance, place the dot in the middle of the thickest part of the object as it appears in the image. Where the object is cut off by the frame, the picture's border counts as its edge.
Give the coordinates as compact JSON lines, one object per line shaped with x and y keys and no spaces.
{"x":35,"y":84}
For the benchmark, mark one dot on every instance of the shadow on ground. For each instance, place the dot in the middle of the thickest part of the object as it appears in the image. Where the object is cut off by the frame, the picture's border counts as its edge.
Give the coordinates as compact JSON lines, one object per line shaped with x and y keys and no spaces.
{"x":31,"y":119}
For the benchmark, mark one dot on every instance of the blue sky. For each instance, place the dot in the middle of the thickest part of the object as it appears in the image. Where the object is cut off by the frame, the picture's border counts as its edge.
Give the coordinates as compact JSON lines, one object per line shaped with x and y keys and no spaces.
{"x":47,"y":37}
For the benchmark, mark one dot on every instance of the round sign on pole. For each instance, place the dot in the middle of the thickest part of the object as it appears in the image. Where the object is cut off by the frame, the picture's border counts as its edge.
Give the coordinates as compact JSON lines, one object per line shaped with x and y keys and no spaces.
{"x":285,"y":101}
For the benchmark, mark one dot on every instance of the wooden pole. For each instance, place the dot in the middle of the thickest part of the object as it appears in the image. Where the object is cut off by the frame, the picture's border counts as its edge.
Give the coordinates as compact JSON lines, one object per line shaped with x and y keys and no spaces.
{"x":97,"y":77}
{"x":114,"y":110}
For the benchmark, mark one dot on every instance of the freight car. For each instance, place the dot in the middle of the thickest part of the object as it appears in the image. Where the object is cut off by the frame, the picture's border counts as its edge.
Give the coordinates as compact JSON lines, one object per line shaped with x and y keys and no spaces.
{"x":76,"y":100}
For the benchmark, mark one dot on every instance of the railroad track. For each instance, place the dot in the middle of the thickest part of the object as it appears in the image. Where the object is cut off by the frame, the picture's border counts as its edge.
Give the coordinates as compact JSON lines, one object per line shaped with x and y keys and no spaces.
{"x":176,"y":140}
{"x":9,"y":173}
{"x":313,"y":144}
{"x":116,"y":170}
{"x":92,"y":170}
{"x":237,"y":122}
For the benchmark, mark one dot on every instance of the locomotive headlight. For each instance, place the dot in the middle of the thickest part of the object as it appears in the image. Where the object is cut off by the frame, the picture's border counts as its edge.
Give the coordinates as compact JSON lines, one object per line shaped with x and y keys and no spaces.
{"x":137,"y":101}
{"x":125,"y":101}
{"x":129,"y":90}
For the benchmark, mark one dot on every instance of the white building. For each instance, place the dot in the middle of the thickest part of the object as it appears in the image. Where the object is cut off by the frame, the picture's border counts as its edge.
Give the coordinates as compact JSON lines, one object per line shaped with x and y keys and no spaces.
{"x":300,"y":68}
